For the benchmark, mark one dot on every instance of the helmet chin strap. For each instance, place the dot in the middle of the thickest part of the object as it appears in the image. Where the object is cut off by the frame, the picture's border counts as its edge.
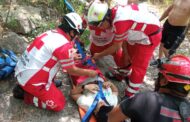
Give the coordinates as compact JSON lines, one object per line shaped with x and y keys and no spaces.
{"x":72,"y":34}
{"x":171,"y":92}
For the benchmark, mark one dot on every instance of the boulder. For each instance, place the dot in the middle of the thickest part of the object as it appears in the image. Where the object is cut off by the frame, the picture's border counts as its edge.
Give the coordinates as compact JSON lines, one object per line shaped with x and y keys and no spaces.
{"x":13,"y":42}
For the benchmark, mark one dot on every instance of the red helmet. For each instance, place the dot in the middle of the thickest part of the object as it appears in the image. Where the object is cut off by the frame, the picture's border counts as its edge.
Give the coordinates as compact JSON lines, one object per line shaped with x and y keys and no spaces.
{"x":177,"y":69}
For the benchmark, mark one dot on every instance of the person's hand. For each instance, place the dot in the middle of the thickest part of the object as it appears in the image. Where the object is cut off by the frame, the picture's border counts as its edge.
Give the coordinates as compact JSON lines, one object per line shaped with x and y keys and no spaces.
{"x":96,"y":56}
{"x":77,"y":56}
{"x":92,"y":88}
{"x":93,"y":73}
{"x":107,"y":84}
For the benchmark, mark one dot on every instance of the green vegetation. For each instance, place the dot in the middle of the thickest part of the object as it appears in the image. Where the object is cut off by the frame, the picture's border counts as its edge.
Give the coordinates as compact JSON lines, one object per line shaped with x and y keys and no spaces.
{"x":85,"y":37}
{"x":12,"y":23}
{"x":44,"y":27}
{"x":160,"y":1}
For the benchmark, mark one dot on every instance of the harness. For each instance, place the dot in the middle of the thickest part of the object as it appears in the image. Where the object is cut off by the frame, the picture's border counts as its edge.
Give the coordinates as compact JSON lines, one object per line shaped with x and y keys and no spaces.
{"x":99,"y":95}
{"x":8,"y":61}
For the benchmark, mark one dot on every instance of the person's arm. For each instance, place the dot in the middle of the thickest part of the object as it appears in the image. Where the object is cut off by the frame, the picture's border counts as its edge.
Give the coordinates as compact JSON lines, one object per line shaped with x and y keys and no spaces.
{"x":112,"y":86}
{"x":108,"y":51}
{"x":166,"y":12}
{"x":79,"y":71}
{"x":116,"y":115}
{"x":76,"y":92}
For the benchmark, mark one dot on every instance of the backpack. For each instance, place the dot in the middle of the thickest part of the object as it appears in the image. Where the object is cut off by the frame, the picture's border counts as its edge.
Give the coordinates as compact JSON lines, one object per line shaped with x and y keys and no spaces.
{"x":8,"y":61}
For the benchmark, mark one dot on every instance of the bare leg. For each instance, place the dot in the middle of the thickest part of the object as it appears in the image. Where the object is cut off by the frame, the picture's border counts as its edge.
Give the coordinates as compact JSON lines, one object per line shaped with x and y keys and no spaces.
{"x":160,"y":51}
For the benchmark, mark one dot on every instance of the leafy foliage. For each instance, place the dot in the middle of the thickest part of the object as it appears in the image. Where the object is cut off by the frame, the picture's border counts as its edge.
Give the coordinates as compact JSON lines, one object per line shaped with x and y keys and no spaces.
{"x":44,"y":27}
{"x":85,"y":37}
{"x":12,"y":23}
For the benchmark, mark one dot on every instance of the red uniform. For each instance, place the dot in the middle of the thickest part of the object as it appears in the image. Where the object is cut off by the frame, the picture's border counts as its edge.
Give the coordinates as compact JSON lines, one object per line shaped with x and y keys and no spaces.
{"x":103,"y":39}
{"x":141,"y":31}
{"x":38,"y":66}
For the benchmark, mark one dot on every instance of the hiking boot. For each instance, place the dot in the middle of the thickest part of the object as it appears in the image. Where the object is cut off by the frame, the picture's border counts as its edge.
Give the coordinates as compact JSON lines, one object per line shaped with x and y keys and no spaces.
{"x":155,"y":62}
{"x":118,"y":74}
{"x":58,"y":83}
{"x":18,"y":92}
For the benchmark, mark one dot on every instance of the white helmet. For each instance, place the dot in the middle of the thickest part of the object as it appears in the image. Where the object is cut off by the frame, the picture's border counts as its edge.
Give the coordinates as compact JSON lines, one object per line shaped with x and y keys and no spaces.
{"x":74,"y":20}
{"x":97,"y":11}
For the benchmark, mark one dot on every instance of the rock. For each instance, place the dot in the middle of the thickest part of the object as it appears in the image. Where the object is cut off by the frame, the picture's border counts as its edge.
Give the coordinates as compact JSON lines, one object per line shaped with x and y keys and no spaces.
{"x":21,"y":19}
{"x":13,"y":42}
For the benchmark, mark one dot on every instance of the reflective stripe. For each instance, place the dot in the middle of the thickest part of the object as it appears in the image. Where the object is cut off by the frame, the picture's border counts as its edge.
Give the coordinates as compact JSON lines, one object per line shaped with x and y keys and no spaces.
{"x":46,"y":69}
{"x":64,"y":65}
{"x":43,"y":105}
{"x":144,"y":27}
{"x":167,"y":112}
{"x":174,"y":63}
{"x":54,"y":58}
{"x":38,"y":84}
{"x":119,"y":38}
{"x":134,"y":25}
{"x":66,"y":60}
{"x":35,"y":101}
{"x":135,"y":85}
{"x":131,"y":90}
{"x":120,"y":35}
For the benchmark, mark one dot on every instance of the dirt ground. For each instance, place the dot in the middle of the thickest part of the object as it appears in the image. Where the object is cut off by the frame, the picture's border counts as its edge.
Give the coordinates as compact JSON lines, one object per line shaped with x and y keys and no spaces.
{"x":13,"y":110}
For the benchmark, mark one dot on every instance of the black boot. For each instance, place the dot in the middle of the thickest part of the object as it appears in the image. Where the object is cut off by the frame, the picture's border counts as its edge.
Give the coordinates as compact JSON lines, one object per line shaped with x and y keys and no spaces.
{"x":155,"y":63}
{"x":58,"y":83}
{"x":18,"y":92}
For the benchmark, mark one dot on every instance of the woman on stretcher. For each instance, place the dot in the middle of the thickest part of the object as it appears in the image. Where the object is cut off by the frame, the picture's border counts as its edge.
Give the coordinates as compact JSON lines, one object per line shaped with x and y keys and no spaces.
{"x":93,"y":94}
{"x":85,"y":94}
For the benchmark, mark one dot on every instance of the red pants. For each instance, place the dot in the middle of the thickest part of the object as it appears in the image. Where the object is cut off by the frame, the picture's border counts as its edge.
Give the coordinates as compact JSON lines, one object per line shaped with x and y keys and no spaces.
{"x":118,"y":56}
{"x":140,"y":56}
{"x":38,"y":96}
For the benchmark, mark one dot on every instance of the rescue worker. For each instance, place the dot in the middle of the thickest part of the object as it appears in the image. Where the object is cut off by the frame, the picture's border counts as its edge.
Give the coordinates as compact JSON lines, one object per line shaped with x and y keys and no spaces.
{"x":37,"y":67}
{"x":136,"y":30}
{"x":168,"y":104}
{"x":102,"y":38}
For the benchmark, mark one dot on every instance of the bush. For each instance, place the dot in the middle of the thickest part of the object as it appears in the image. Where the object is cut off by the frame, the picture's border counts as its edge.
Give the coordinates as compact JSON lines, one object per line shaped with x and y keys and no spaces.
{"x":85,"y":37}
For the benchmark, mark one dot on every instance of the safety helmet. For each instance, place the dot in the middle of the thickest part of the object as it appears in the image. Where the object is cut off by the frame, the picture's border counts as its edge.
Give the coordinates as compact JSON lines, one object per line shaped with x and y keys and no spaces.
{"x":97,"y":11}
{"x":177,"y":69}
{"x":75,"y":22}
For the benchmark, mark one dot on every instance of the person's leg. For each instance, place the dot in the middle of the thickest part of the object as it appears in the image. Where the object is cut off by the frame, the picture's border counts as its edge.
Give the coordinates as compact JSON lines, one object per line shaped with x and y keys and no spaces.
{"x":140,"y":57}
{"x":40,"y":96}
{"x":123,"y":63}
{"x":172,"y":38}
{"x":140,"y":60}
{"x":161,"y":52}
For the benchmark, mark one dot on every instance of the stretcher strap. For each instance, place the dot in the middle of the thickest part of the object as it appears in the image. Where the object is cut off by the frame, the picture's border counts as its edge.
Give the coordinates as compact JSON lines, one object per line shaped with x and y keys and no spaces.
{"x":91,"y":109}
{"x":84,"y":59}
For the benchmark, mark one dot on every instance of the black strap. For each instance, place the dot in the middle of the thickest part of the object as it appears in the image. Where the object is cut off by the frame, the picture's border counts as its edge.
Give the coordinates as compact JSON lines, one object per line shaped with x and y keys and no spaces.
{"x":156,"y":32}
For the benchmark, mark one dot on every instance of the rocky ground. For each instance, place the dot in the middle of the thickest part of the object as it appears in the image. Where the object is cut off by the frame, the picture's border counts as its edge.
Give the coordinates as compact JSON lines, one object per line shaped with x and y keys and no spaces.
{"x":13,"y":110}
